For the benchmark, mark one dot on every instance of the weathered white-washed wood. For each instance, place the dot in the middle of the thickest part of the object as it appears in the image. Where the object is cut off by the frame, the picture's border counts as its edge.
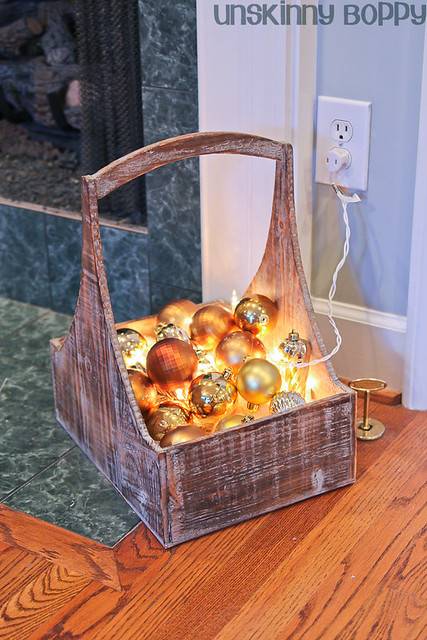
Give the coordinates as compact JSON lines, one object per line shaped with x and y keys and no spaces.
{"x":281,"y":277}
{"x":140,"y":162}
{"x":201,"y":486}
{"x":93,"y":398}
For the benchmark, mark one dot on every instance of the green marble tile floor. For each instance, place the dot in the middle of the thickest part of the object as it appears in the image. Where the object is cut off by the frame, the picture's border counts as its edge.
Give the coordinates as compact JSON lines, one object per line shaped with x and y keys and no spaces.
{"x":42,"y":472}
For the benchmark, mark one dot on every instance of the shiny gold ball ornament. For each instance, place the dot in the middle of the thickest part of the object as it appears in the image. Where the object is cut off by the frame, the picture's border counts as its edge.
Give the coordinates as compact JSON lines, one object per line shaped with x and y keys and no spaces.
{"x":210,"y":324}
{"x":237,"y":347}
{"x":133,"y":347}
{"x":178,"y":313}
{"x":144,"y":390}
{"x":171,"y":363}
{"x":286,"y":400}
{"x":211,"y":394}
{"x":166,"y":417}
{"x":232,"y":421}
{"x":258,"y":381}
{"x":170,"y":330}
{"x":185,"y":433}
{"x":257,"y":314}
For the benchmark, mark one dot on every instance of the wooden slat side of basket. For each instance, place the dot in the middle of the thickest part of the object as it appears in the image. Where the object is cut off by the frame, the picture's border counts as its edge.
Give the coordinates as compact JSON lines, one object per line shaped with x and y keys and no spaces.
{"x":188,"y":490}
{"x":280,"y":460}
{"x":246,"y":472}
{"x":93,"y":402}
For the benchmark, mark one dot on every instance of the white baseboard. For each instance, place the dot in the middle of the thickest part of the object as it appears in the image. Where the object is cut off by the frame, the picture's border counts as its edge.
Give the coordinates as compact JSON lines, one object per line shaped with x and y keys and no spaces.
{"x":374,"y":342}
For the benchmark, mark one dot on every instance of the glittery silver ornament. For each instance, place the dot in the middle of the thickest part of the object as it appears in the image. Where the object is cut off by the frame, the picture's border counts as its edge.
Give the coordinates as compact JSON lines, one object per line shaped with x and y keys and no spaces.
{"x":169,"y":330}
{"x":286,"y":400}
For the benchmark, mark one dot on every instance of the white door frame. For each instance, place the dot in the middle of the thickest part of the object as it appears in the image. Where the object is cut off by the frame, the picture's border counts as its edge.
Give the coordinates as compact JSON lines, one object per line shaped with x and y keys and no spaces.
{"x":415,"y":382}
{"x":261,"y":80}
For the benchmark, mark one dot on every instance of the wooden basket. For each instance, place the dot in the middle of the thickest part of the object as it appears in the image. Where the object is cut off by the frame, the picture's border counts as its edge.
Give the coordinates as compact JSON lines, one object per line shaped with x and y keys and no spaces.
{"x":197,"y":487}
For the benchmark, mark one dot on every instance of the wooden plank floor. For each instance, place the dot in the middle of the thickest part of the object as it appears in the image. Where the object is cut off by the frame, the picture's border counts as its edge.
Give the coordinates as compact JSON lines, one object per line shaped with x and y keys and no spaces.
{"x":350,"y":564}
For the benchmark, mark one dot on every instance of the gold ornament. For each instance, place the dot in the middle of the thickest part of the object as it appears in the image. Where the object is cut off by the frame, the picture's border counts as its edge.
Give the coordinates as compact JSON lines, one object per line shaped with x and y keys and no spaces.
{"x":133,"y":347}
{"x":166,"y":417}
{"x":170,"y":330}
{"x":232,"y":421}
{"x":211,"y":394}
{"x":171,"y":363}
{"x":237,"y":347}
{"x":178,"y":313}
{"x":184,"y":433}
{"x":286,"y":400}
{"x":295,"y":351}
{"x":257,"y":314}
{"x":258,"y":381}
{"x":144,"y":390}
{"x":210,"y":324}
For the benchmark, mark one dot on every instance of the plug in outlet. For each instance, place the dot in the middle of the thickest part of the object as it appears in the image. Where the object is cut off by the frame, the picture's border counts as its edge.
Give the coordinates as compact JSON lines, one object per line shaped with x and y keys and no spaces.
{"x":341,"y":130}
{"x":343,"y":139}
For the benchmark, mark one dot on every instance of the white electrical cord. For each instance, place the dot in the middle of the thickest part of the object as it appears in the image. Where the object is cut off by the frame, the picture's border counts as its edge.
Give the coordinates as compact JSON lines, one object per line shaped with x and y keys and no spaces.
{"x":345,"y":201}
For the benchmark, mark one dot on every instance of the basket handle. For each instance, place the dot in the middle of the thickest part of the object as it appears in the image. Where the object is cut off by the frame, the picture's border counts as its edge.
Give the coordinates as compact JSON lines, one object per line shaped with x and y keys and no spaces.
{"x":136,"y":164}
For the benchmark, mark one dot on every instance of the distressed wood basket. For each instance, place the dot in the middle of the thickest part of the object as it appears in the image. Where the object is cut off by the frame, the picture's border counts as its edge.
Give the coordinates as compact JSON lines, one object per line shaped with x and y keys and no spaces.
{"x":194,"y":488}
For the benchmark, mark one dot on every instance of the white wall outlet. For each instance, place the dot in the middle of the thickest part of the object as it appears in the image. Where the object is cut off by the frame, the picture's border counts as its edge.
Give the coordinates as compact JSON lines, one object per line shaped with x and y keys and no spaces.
{"x":343,"y":127}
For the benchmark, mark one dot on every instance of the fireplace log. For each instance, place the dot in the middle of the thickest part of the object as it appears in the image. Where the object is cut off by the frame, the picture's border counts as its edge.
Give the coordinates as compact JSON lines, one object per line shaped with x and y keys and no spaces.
{"x":28,"y":85}
{"x":15,"y":35}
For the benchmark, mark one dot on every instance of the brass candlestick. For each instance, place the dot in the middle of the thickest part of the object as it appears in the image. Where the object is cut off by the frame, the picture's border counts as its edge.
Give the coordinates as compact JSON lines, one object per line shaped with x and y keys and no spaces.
{"x":368,"y":428}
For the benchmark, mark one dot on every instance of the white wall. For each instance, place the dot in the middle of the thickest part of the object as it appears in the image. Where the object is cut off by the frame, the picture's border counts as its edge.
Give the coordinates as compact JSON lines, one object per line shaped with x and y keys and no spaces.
{"x":415,"y":388}
{"x":247,"y":83}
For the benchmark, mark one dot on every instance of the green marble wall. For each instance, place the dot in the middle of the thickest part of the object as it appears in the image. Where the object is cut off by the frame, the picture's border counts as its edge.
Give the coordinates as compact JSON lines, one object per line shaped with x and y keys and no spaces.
{"x":40,"y":262}
{"x":168,"y":38}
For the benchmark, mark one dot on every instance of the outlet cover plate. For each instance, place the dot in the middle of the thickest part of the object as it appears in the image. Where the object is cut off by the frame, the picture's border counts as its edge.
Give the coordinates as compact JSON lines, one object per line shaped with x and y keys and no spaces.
{"x":358,"y":114}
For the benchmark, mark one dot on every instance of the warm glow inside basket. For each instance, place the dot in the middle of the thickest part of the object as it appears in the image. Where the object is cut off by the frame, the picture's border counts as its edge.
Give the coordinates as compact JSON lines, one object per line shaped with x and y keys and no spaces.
{"x":278,"y":451}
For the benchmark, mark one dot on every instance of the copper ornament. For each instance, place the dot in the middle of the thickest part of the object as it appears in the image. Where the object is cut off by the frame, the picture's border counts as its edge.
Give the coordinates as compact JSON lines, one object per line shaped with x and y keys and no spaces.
{"x":178,"y":313}
{"x":132,"y":346}
{"x":210,"y":324}
{"x":144,"y":390}
{"x":237,"y":347}
{"x":170,"y":330}
{"x":232,"y":421}
{"x":171,"y":363}
{"x":211,"y":394}
{"x":184,"y":433}
{"x":257,"y":314}
{"x":286,"y":400}
{"x":166,"y":417}
{"x":258,"y":381}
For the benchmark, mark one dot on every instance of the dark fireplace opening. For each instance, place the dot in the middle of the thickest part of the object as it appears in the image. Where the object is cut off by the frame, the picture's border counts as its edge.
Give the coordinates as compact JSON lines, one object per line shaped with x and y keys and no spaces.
{"x":70,"y":100}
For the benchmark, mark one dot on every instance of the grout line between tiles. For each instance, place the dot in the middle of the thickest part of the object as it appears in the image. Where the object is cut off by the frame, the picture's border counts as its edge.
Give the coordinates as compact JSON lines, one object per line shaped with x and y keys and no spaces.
{"x":11,"y":493}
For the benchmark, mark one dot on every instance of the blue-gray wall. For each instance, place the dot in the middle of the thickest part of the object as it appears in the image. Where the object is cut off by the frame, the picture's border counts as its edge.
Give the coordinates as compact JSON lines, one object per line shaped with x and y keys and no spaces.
{"x":383,"y":65}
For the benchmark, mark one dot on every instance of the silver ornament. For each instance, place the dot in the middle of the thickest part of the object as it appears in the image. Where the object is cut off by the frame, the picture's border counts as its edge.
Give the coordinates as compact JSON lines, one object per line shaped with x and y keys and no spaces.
{"x":286,"y":400}
{"x":169,"y":330}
